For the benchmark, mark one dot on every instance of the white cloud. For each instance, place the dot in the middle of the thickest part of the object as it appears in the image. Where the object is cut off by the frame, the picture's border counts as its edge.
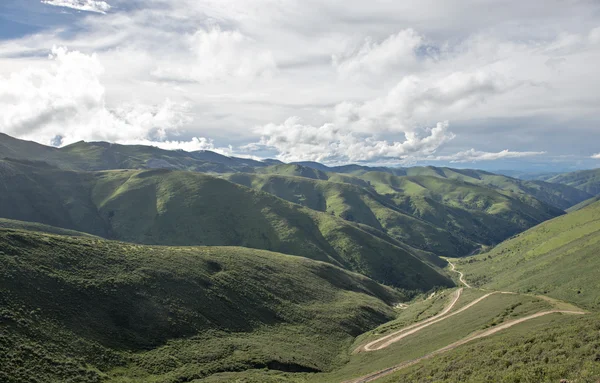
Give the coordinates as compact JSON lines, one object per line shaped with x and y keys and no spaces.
{"x":396,"y":53}
{"x":503,"y":74}
{"x":219,"y":55}
{"x":81,"y":5}
{"x":296,"y":141}
{"x":473,"y":155}
{"x":65,"y":103}
{"x":596,"y":156}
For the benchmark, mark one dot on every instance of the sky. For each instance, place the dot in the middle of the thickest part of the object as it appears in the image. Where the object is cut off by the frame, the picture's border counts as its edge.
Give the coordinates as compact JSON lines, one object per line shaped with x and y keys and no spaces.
{"x":465,"y":83}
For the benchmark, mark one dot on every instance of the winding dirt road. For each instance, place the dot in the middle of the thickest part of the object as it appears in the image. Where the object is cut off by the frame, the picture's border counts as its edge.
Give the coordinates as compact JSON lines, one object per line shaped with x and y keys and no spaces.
{"x":394,"y":337}
{"x":461,"y":275}
{"x":391,"y":370}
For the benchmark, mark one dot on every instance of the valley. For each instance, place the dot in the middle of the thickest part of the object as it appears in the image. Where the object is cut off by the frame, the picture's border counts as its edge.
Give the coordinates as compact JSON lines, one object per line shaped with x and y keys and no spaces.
{"x":137,"y":264}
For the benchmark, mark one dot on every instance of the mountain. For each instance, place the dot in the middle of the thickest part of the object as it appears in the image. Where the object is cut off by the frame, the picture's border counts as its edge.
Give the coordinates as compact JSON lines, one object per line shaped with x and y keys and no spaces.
{"x":558,"y":258}
{"x":93,"y":156}
{"x":586,"y":180}
{"x":359,"y":204}
{"x":583,"y":204}
{"x":559,"y":196}
{"x":165,"y":207}
{"x":76,"y":309}
{"x":444,"y":216}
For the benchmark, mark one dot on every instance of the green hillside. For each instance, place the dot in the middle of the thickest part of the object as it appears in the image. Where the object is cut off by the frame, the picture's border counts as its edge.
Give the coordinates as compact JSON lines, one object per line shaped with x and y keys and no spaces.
{"x":586,"y":180}
{"x":547,"y":349}
{"x":583,"y":204}
{"x":164,"y":207}
{"x":41,"y":228}
{"x":559,"y":258}
{"x":359,"y":204}
{"x":474,"y":212}
{"x":106,"y":156}
{"x":89,"y":310}
{"x":443,"y":215}
{"x":560,"y":196}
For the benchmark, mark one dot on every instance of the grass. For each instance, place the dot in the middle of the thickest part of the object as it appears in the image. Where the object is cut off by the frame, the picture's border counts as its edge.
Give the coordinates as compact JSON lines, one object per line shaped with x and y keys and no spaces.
{"x":488,"y":313}
{"x":553,"y":348}
{"x":558,"y":258}
{"x":165,"y":207}
{"x":585,"y":180}
{"x":441,"y":215}
{"x":87,"y":310}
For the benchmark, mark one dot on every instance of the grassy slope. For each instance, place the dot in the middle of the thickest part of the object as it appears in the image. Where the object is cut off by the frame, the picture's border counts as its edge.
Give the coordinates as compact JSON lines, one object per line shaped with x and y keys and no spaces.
{"x":559,"y":258}
{"x":494,"y":310}
{"x":474,"y":212}
{"x":106,"y":156}
{"x":559,"y":196}
{"x":547,"y":349}
{"x":359,"y":204}
{"x":583,"y":204}
{"x":586,"y":180}
{"x":185,"y":208}
{"x":442,"y":214}
{"x":40,"y":228}
{"x":79,"y":309}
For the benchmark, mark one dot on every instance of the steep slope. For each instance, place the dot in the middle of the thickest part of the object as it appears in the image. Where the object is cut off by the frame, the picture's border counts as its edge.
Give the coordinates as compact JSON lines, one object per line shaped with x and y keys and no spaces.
{"x":107,"y":156}
{"x":558,"y":258}
{"x":583,"y":204}
{"x":474,"y":212}
{"x":560,"y":196}
{"x":359,"y":204}
{"x":86,"y":310}
{"x":586,"y":180}
{"x":547,"y":349}
{"x":166,"y":207}
{"x":40,"y":228}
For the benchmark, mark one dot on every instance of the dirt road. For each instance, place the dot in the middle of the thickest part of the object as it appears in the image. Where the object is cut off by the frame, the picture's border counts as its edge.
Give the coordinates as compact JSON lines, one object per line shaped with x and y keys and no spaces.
{"x":379,"y":374}
{"x":462,"y":277}
{"x":417,"y":326}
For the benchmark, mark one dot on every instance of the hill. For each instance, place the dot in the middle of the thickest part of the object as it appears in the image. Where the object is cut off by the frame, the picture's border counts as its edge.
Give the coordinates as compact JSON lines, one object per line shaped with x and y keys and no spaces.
{"x":558,"y":258}
{"x":444,"y":216}
{"x":359,"y":204}
{"x":87,"y":310}
{"x":93,"y":156}
{"x":583,"y":204}
{"x":164,"y":207}
{"x":586,"y":180}
{"x":41,"y":228}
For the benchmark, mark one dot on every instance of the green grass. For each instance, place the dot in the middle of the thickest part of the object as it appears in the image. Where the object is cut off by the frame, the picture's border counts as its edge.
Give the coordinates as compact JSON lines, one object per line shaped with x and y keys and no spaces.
{"x":38,"y":227}
{"x":356,"y":203}
{"x":585,"y":180}
{"x":444,"y":215}
{"x":559,"y":258}
{"x":547,"y":349}
{"x":87,"y":310}
{"x":583,"y":204}
{"x":164,"y":207}
{"x":492,"y":311}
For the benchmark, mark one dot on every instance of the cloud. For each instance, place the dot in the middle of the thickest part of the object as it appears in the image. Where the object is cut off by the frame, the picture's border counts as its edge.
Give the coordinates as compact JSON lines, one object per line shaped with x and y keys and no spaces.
{"x":65,"y":103}
{"x":218,"y":55}
{"x":396,"y":53}
{"x":473,"y":155}
{"x":596,"y":156}
{"x":296,"y":141}
{"x":501,"y":73}
{"x":81,"y":5}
